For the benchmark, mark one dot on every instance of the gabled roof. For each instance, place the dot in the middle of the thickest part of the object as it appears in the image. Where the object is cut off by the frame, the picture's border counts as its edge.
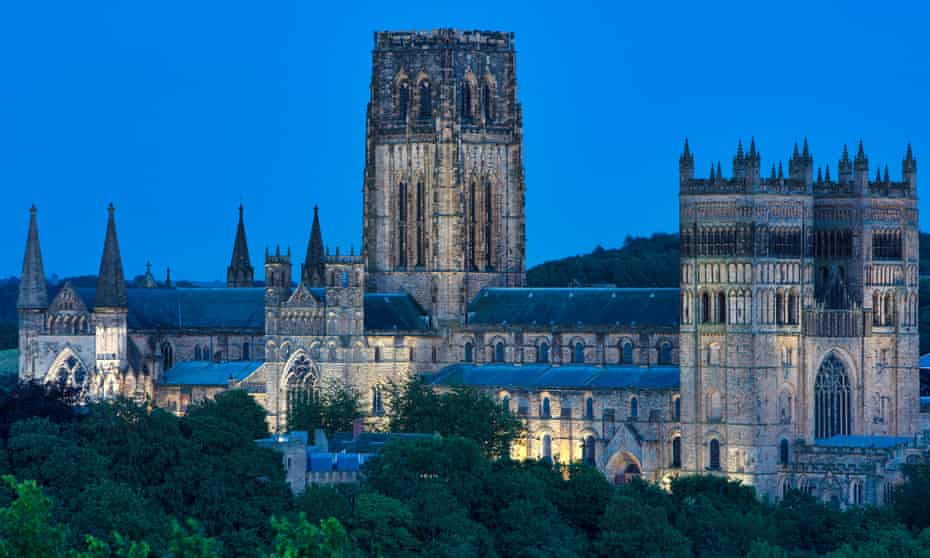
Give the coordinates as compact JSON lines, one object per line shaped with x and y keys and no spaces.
{"x":203,"y":373}
{"x":569,"y":376}
{"x":573,"y":308}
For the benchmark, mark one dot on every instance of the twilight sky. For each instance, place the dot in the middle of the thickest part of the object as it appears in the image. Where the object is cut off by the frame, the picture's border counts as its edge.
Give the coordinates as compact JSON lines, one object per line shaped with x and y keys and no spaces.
{"x":177,"y":110}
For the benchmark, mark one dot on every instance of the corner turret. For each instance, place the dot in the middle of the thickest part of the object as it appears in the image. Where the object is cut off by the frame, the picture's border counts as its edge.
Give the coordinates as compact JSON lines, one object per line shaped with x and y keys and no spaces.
{"x":240,"y":272}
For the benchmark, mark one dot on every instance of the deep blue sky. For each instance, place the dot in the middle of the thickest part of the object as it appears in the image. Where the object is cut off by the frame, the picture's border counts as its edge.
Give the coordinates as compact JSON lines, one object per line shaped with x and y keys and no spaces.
{"x":176,"y":110}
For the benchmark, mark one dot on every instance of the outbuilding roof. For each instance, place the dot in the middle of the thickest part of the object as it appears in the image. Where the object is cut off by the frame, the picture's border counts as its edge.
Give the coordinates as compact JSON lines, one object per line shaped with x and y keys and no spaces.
{"x":204,"y":373}
{"x":569,"y":376}
{"x":571,"y":308}
{"x":878,"y":442}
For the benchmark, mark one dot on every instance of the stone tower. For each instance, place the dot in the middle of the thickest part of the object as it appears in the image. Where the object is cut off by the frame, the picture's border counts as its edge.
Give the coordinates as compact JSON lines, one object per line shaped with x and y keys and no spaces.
{"x":444,"y":184}
{"x":111,"y":307}
{"x":780,"y":343}
{"x":32,"y":302}
{"x":240,"y":272}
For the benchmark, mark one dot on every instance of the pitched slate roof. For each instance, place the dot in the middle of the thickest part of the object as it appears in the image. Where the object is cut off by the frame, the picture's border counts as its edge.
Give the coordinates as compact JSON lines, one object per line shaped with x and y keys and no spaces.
{"x":925,"y":361}
{"x":570,"y":308}
{"x":192,"y":308}
{"x":202,"y":373}
{"x":228,"y":308}
{"x":569,"y":376}
{"x":394,"y":312}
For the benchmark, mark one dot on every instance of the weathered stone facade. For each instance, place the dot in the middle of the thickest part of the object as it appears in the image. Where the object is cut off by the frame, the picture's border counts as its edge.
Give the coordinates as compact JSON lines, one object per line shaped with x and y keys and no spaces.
{"x":444,"y":190}
{"x":787,"y":358}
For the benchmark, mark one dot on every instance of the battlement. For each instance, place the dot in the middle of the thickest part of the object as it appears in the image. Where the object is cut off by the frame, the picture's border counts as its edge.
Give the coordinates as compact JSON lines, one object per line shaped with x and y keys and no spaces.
{"x":444,"y":38}
{"x":852,"y":175}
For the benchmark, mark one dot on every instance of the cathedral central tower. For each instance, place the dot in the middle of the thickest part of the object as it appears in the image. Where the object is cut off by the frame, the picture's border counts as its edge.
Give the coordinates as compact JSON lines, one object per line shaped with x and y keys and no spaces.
{"x":444,"y":185}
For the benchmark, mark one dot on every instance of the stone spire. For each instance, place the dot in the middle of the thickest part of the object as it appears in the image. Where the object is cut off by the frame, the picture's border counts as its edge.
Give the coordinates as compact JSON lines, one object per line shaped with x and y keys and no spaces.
{"x":32,"y":290}
{"x":111,"y":285}
{"x":240,"y":272}
{"x":311,"y":272}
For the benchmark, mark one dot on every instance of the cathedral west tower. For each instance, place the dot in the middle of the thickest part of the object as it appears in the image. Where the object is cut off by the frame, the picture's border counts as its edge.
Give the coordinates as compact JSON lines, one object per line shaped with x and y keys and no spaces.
{"x":444,"y":184}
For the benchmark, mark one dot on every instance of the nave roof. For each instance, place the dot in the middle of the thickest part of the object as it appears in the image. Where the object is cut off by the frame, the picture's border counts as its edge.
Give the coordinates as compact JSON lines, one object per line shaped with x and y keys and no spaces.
{"x":568,"y":376}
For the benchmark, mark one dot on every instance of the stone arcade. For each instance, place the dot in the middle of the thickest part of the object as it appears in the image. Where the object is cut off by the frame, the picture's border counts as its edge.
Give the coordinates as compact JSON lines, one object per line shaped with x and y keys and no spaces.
{"x":787,"y":357}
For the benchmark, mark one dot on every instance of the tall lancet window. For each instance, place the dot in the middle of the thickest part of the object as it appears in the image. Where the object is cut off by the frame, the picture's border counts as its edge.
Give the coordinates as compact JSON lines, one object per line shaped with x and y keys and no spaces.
{"x":466,"y":101}
{"x":487,"y":226}
{"x":426,"y":100}
{"x":421,"y":210}
{"x":403,"y":100}
{"x":487,"y":102}
{"x":402,"y":225}
{"x":832,"y":409}
{"x":472,"y":225}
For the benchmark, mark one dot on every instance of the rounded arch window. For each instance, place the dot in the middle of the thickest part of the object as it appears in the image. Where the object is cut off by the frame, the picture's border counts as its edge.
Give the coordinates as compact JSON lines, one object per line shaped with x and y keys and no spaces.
{"x":588,"y":451}
{"x":469,"y":352}
{"x":589,"y":408}
{"x":578,"y":353}
{"x":499,"y":352}
{"x":426,"y":100}
{"x":634,"y":408}
{"x":665,"y":353}
{"x":714,"y":457}
{"x":783,"y":452}
{"x":626,"y":352}
{"x":546,"y":453}
{"x":546,"y":408}
{"x":543,"y":352}
{"x":676,"y":451}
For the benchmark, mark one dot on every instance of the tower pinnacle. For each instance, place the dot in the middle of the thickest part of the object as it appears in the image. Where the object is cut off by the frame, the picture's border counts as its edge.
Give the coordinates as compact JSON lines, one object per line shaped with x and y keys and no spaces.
{"x":311,"y":273}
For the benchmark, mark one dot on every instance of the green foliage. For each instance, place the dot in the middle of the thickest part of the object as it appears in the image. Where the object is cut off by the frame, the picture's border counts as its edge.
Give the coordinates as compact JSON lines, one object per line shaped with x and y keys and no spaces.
{"x":641,"y":262}
{"x":191,"y":541}
{"x":333,"y":409}
{"x":319,"y":502}
{"x":302,"y":539}
{"x":416,"y":407}
{"x":235,"y":407}
{"x":27,"y":529}
{"x":382,"y":526}
{"x":632,"y":528}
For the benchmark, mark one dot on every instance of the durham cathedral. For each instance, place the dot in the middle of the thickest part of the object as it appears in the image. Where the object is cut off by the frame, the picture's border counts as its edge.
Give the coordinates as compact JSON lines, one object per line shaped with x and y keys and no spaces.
{"x":786,"y":358}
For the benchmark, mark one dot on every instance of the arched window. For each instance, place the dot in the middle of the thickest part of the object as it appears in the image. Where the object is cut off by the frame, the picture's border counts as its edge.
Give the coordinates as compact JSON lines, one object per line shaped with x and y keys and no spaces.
{"x":426,"y":100}
{"x":677,"y":409}
{"x":626,"y":353}
{"x":499,"y":352}
{"x":487,"y":101}
{"x":413,"y":354}
{"x":421,"y":225}
{"x":505,"y":404}
{"x":402,"y":225}
{"x":543,"y":354}
{"x":546,"y":410}
{"x":466,"y":101}
{"x":665,"y":353}
{"x":472,"y":225}
{"x":546,"y":447}
{"x":676,"y":451}
{"x":167,"y":355}
{"x":588,"y":453}
{"x":779,"y":308}
{"x":792,"y":308}
{"x":832,"y":409}
{"x":857,"y":493}
{"x":197,"y":354}
{"x":488,"y":227}
{"x":589,"y":408}
{"x":578,"y":353}
{"x":246,"y":351}
{"x":377,"y":354}
{"x":469,"y":352}
{"x":714,"y":454}
{"x":345,"y":279}
{"x":403,"y":100}
{"x":301,"y":384}
{"x":721,"y":308}
{"x":377,"y":405}
{"x":889,"y":309}
{"x":634,"y":408}
{"x":783,"y":455}
{"x":705,"y":308}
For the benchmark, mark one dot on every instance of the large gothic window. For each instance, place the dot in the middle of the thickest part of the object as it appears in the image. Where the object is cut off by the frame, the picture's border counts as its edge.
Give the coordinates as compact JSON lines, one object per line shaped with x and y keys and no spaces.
{"x":70,"y":373}
{"x":301,"y":383}
{"x":832,"y":408}
{"x":167,"y":355}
